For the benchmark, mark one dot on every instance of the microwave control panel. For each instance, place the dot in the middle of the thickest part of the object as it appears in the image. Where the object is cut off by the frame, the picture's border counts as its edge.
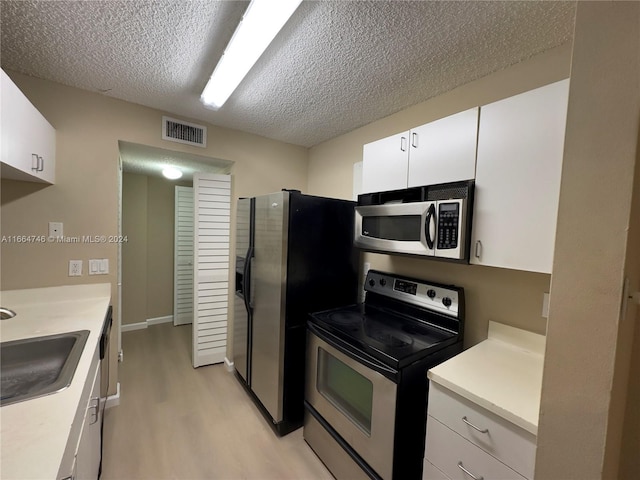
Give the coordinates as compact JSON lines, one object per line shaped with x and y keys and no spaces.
{"x":448,"y":225}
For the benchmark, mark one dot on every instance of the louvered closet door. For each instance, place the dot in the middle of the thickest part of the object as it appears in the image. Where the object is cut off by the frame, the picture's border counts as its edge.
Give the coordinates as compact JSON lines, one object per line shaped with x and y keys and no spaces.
{"x":183,"y":257}
{"x":212,"y":194}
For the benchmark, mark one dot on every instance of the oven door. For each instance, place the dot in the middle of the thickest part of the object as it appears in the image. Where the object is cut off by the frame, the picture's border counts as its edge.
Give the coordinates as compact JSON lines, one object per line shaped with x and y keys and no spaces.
{"x":358,"y":402}
{"x":396,"y":228}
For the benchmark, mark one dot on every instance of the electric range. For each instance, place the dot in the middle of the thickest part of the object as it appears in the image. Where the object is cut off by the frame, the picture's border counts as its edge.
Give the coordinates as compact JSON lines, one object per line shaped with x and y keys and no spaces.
{"x":366,"y":383}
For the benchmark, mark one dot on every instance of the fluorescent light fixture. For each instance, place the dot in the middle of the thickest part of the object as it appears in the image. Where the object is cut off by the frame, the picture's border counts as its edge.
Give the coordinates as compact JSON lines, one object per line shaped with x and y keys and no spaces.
{"x":260,"y":24}
{"x":171,"y":173}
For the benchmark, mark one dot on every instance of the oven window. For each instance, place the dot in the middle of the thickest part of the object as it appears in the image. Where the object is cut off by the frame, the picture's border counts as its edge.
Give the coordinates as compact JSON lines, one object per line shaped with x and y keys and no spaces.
{"x":405,"y":228}
{"x":349,"y":391}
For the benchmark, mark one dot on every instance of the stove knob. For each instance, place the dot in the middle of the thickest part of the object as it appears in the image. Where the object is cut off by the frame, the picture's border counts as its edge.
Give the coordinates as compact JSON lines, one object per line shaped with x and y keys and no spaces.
{"x":383,"y":282}
{"x":431,"y":293}
{"x":446,"y":301}
{"x":372,"y":283}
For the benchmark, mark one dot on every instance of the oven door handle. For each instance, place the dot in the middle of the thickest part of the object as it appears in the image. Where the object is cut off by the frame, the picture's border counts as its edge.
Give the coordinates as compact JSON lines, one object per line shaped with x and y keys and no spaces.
{"x":344,"y":347}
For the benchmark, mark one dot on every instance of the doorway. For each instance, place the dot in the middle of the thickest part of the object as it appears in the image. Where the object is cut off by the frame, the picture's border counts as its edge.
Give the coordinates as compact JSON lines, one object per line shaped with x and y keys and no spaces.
{"x":146,"y":269}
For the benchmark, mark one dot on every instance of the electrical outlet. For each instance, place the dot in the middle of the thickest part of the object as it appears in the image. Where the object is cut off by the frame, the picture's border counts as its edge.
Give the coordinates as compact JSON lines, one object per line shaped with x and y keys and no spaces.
{"x":75,"y":268}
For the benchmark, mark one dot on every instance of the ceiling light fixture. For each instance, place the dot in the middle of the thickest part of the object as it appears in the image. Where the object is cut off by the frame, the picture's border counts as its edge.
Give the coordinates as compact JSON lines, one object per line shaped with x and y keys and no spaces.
{"x":171,"y":173}
{"x":260,"y":24}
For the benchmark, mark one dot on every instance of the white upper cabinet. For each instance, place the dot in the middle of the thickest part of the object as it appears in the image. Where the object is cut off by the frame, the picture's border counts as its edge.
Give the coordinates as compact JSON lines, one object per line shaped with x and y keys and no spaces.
{"x":438,"y":152}
{"x":445,"y":150}
{"x":520,"y":150}
{"x":385,"y":164}
{"x":28,"y":140}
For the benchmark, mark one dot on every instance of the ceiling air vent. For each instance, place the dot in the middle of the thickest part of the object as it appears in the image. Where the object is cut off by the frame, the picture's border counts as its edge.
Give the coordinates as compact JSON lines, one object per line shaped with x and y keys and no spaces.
{"x":184,"y":132}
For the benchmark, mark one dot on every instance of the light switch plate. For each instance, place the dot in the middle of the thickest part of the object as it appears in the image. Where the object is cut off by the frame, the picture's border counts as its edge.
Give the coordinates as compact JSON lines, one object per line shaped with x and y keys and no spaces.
{"x":94,"y":267}
{"x":99,"y":266}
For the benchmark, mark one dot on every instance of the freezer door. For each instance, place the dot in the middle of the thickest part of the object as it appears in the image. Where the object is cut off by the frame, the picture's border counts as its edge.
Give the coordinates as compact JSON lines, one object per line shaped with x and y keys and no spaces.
{"x":241,"y":310}
{"x":269,"y":281}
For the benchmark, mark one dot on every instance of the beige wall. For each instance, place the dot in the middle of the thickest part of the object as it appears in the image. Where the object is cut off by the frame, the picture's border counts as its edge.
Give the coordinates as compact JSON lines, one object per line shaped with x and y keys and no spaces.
{"x":147,"y":257}
{"x":134,"y":251}
{"x":508,"y":296}
{"x":585,"y":383}
{"x":630,"y":448}
{"x":85,"y":196}
{"x":160,"y":238}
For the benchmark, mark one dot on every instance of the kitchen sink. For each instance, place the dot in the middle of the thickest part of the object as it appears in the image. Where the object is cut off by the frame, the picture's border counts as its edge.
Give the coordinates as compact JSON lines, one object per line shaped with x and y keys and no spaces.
{"x":34,"y":367}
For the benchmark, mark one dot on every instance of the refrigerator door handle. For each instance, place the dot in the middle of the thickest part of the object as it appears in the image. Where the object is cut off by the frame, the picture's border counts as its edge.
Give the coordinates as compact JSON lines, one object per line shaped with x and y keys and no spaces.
{"x":246,"y":287}
{"x":251,"y":295}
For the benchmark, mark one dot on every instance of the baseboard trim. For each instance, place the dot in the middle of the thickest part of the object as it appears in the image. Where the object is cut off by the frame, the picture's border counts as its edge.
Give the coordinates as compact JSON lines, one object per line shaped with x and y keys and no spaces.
{"x":142,"y":325}
{"x":133,"y":326}
{"x":113,"y":400}
{"x":228,"y":365}
{"x":158,"y":320}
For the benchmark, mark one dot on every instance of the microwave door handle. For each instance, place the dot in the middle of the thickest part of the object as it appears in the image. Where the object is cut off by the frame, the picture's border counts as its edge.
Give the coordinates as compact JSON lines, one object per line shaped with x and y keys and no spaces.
{"x":431,"y":215}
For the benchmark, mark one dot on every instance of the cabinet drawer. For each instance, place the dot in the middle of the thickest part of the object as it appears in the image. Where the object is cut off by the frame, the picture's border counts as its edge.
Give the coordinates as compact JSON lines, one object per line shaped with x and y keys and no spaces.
{"x":429,"y":472}
{"x":507,"y":442}
{"x":459,"y":459}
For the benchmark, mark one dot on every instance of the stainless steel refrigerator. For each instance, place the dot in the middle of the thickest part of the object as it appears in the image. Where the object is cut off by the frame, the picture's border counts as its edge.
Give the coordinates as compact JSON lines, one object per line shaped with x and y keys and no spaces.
{"x":294,"y":256}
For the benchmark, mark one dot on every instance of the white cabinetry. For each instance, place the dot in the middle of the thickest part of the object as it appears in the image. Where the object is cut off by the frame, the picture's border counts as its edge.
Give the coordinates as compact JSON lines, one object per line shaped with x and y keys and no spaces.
{"x":90,"y":444}
{"x":483,"y":409}
{"x":84,"y":447}
{"x":463,"y":436}
{"x":28,"y":140}
{"x":385,"y":164}
{"x":520,"y":150}
{"x":445,"y":150}
{"x":438,"y":152}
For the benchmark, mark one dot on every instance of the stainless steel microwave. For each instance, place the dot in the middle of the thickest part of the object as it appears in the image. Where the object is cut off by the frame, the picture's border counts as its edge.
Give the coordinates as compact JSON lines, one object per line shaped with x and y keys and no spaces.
{"x":431,"y":221}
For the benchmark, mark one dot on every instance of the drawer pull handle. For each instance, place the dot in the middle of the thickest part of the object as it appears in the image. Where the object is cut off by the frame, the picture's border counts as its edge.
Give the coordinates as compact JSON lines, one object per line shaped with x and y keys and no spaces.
{"x":461,"y":467}
{"x":481,"y":430}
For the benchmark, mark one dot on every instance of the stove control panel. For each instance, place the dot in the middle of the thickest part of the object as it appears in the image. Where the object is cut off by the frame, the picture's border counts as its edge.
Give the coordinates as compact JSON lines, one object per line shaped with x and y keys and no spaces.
{"x":440,"y":298}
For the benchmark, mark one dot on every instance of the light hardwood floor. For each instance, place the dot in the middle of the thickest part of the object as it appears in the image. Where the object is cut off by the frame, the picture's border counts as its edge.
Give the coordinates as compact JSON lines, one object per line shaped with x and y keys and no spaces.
{"x":178,"y":422}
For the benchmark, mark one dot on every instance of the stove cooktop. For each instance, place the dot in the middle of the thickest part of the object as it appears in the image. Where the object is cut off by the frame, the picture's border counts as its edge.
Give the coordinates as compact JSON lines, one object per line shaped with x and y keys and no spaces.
{"x":394,"y":339}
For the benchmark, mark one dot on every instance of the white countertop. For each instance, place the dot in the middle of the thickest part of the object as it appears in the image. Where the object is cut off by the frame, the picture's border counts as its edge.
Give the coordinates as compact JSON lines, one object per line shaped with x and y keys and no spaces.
{"x":502,"y":374}
{"x":34,"y":433}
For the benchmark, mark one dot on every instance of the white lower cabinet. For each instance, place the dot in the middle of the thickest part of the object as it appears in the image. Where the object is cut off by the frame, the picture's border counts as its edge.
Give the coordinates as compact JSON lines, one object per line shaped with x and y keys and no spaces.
{"x":82,"y":456}
{"x":89,"y":446}
{"x":431,"y":472}
{"x":459,"y":459}
{"x":465,"y":441}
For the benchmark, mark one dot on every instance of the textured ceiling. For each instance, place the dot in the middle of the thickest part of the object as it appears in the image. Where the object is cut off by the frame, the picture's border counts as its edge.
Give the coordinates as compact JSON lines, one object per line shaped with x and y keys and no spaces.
{"x":336,"y":65}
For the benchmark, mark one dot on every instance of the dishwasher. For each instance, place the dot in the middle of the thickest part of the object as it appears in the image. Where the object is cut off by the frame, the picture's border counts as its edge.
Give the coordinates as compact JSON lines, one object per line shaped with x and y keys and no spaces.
{"x":104,"y":374}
